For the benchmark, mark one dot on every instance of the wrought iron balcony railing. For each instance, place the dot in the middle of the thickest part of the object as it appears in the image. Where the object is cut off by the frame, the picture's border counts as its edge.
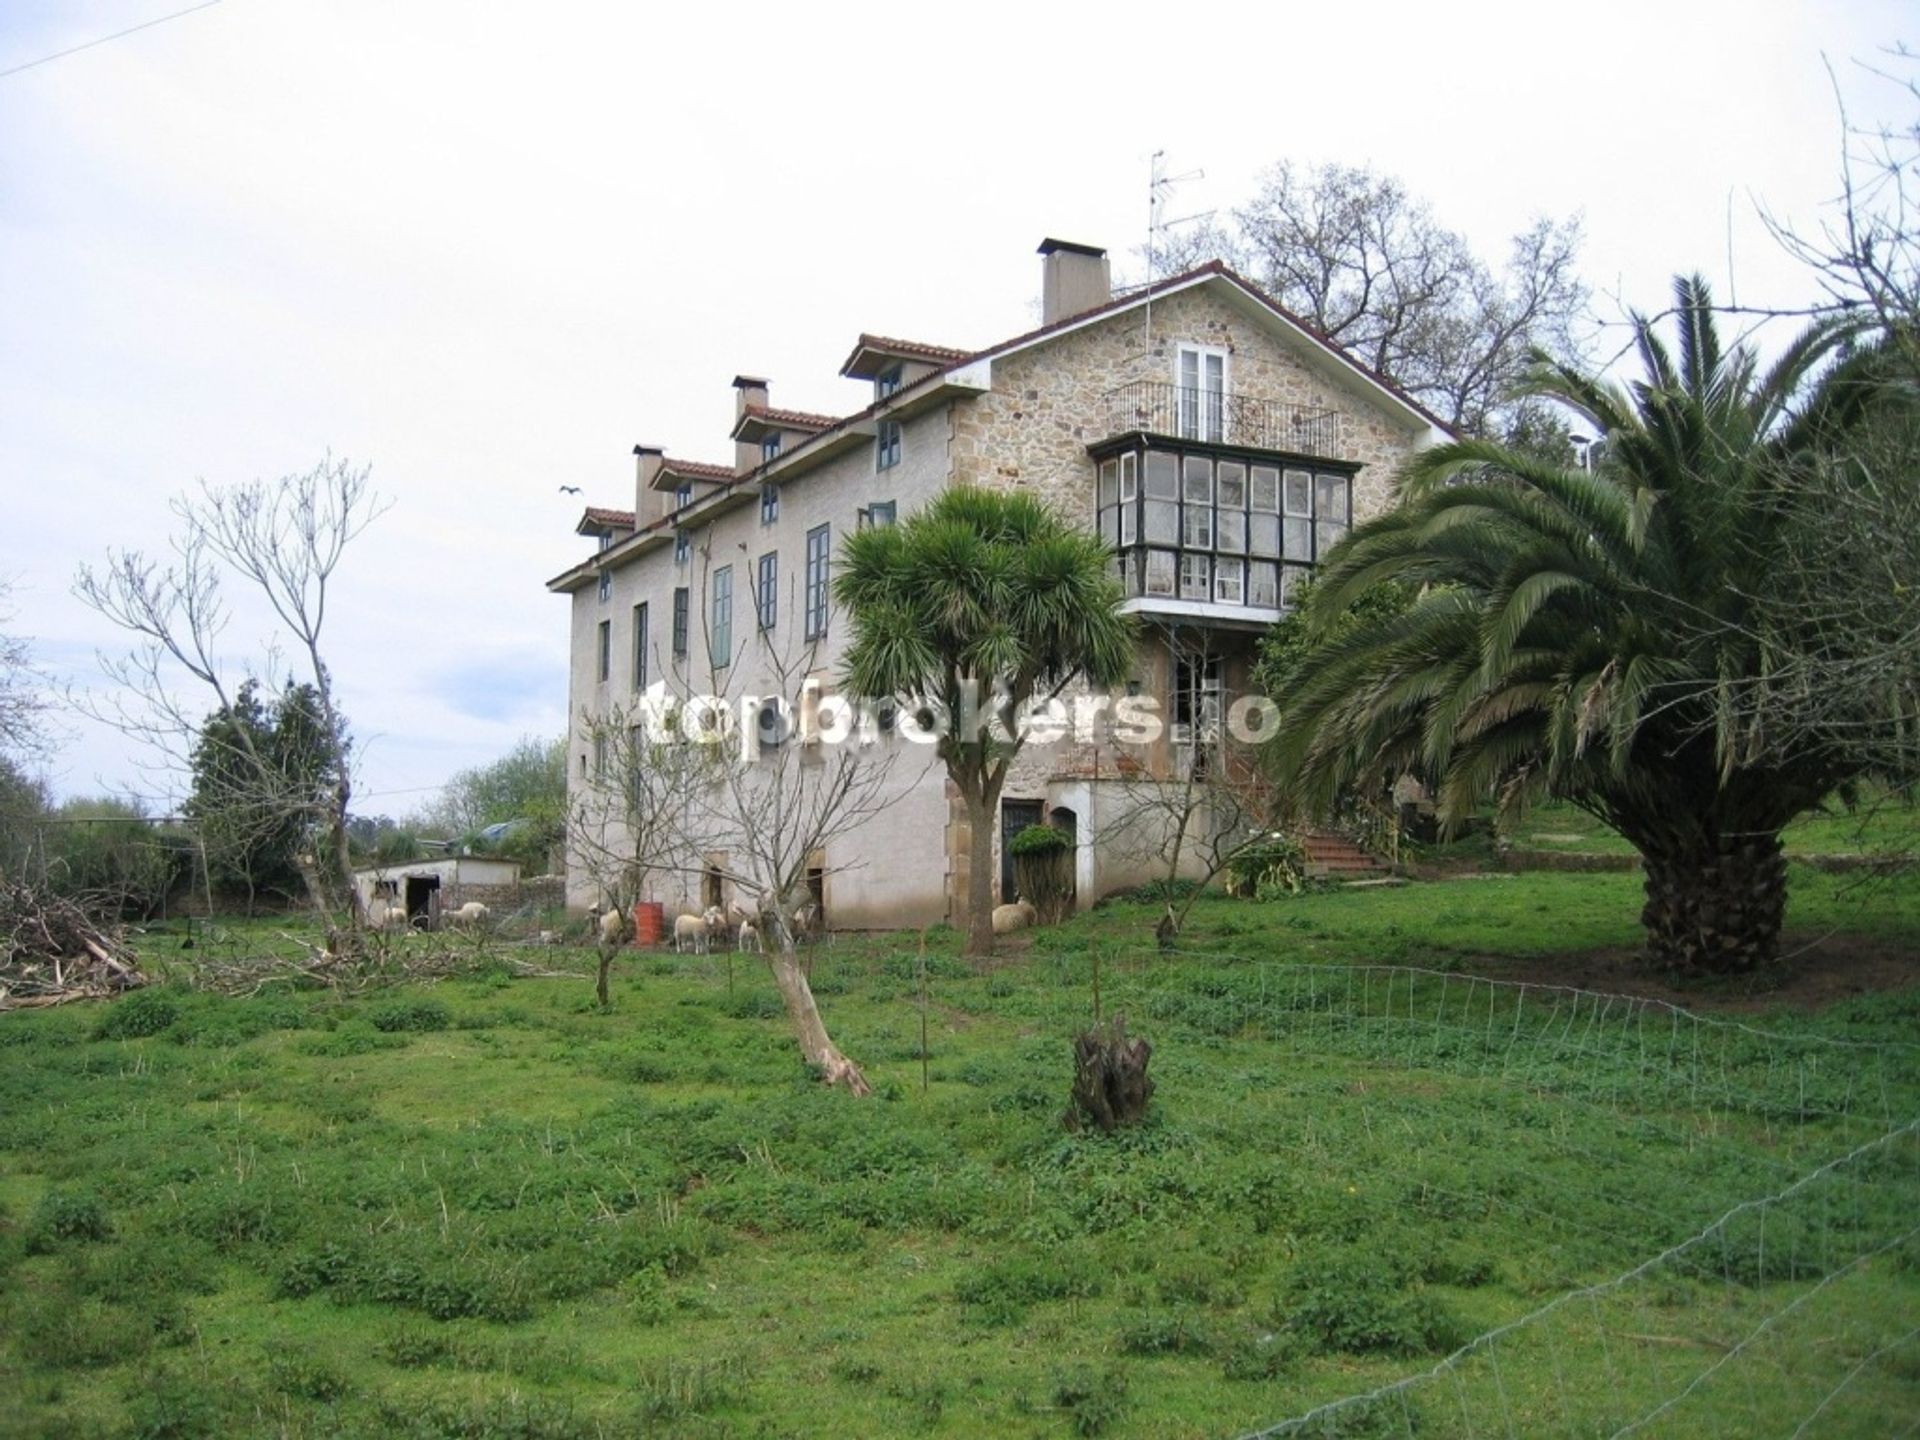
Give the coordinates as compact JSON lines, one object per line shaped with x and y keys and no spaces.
{"x":1210,"y":417}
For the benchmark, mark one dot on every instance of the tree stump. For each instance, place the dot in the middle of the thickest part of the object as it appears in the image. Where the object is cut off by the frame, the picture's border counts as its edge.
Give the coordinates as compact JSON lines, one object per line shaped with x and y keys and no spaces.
{"x":1110,"y":1084}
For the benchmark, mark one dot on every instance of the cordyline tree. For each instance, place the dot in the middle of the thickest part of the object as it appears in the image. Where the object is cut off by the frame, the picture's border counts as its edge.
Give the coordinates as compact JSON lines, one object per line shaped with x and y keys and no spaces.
{"x":973,"y":610}
{"x":1557,"y":644}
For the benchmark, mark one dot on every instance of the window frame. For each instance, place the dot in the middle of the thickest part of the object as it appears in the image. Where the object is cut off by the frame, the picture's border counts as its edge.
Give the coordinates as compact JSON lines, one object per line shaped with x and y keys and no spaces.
{"x":815,"y":597}
{"x":1195,"y":424}
{"x":768,"y":597}
{"x":769,"y":502}
{"x":720,"y":618}
{"x":682,"y":547}
{"x":1230,"y":504}
{"x":603,"y":653}
{"x":639,"y":657}
{"x":681,"y":603}
{"x":887,"y":445}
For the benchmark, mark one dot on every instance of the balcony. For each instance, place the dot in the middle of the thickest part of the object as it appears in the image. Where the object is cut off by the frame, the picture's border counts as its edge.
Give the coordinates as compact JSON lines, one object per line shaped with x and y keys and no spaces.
{"x":1213,"y":418}
{"x":1212,"y":533}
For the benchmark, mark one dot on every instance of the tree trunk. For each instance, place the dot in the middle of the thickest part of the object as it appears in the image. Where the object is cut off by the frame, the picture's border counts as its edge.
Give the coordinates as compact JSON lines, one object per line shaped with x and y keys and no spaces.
{"x":980,"y":820}
{"x":1715,"y":906}
{"x":1110,"y":1084}
{"x":797,"y":995}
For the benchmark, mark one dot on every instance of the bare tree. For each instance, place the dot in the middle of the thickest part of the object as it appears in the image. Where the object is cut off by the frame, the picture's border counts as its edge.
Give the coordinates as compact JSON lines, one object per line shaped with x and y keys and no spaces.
{"x":23,"y":701}
{"x":752,"y":788}
{"x":1212,"y":802}
{"x":1840,"y":620}
{"x":1369,"y":266}
{"x":284,"y":538}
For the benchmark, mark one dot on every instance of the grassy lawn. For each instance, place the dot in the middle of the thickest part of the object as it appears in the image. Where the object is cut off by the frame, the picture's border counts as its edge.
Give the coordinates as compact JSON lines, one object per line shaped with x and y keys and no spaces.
{"x":481,"y":1208}
{"x":1877,"y":824}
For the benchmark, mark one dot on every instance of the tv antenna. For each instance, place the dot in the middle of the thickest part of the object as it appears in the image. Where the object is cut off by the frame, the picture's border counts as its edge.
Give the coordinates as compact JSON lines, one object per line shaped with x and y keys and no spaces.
{"x":1160,"y":186}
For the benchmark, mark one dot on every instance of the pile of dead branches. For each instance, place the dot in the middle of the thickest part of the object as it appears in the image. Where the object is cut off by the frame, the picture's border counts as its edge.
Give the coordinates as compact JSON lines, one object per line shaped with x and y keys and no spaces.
{"x":355,"y":961}
{"x":54,"y":951}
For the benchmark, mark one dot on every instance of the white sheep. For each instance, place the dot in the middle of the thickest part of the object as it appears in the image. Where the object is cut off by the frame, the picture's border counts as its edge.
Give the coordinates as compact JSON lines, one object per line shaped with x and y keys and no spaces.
{"x":715,"y":920}
{"x":612,"y":925}
{"x":750,"y":938}
{"x":1017,"y":916}
{"x":469,"y":914}
{"x":690,"y":933}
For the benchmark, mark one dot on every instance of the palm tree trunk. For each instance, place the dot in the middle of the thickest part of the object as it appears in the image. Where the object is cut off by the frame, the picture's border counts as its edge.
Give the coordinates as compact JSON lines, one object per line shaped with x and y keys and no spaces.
{"x":980,"y":876}
{"x":1715,"y":904}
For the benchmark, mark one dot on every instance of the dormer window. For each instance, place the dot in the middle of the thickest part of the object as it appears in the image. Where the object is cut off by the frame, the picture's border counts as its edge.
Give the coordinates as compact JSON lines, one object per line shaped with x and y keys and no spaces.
{"x":606,"y":539}
{"x":770,"y":448}
{"x":886,"y":382}
{"x":683,"y":496}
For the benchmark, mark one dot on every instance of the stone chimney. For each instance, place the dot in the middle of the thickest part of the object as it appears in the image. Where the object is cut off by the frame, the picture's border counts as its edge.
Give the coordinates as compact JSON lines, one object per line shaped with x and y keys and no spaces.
{"x":647,"y":506}
{"x":1076,"y":279}
{"x":747,"y":390}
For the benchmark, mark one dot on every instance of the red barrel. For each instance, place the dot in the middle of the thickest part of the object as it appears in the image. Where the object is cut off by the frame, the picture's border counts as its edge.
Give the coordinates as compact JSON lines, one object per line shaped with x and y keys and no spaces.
{"x":649,"y":922}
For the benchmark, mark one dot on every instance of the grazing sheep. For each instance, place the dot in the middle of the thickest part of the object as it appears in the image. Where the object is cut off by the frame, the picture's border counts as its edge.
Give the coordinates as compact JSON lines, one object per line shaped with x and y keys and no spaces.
{"x":1017,"y":916}
{"x":750,"y":938}
{"x":690,"y":933}
{"x":612,"y":925}
{"x":471,"y":913}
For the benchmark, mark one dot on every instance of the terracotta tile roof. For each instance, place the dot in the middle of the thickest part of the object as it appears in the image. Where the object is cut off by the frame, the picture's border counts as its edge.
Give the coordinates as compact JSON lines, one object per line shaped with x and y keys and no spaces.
{"x":946,"y":354}
{"x":794,"y":419}
{"x":698,"y":469}
{"x":618,"y":519}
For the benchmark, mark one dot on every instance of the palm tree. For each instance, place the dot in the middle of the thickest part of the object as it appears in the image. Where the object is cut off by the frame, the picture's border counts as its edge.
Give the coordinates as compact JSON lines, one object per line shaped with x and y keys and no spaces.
{"x":1588,"y":635}
{"x":973,"y":609}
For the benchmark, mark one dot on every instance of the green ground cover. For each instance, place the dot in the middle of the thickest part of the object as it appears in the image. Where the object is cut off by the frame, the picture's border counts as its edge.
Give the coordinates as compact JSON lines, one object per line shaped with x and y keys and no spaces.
{"x":1877,"y":824}
{"x":482,"y":1208}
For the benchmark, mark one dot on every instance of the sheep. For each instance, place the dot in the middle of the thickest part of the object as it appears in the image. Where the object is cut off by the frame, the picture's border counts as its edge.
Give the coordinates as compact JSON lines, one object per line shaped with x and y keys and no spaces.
{"x":690,"y":932}
{"x":471,"y":913}
{"x":715,"y":919}
{"x":1017,"y":916}
{"x":750,"y":938}
{"x":612,"y":925}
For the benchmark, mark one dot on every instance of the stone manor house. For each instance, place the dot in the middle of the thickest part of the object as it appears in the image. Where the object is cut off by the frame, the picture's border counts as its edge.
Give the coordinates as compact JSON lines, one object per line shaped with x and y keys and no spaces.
{"x":1213,"y":440}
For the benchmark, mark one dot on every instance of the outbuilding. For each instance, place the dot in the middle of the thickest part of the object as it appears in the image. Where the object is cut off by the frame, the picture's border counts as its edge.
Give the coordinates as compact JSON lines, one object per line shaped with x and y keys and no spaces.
{"x":427,"y":888}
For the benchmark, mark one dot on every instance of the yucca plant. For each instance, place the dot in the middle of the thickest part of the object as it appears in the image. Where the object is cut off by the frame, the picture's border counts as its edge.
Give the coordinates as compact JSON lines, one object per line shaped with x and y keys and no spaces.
{"x":1590,"y":635}
{"x":973,"y":608}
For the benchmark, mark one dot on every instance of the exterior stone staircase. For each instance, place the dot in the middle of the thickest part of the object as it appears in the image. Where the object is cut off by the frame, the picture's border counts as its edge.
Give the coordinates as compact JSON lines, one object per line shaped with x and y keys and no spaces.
{"x":1334,"y":857}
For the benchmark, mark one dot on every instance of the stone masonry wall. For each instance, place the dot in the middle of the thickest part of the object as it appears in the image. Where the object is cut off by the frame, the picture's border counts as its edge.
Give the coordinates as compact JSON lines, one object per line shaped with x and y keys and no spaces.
{"x":1048,"y":404}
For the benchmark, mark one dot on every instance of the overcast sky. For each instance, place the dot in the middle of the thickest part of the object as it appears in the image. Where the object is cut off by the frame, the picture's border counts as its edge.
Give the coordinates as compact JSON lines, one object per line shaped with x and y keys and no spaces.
{"x":486,"y":248}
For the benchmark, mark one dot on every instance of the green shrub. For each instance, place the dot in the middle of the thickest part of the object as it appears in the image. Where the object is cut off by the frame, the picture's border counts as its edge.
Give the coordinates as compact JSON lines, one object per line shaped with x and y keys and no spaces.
{"x":138,"y":1015}
{"x":1355,"y":1302}
{"x":1260,"y":1356}
{"x":1164,"y":1332}
{"x":307,"y":1377}
{"x":64,"y":1215}
{"x":1092,"y":1400}
{"x":1273,"y":864}
{"x":169,"y":1406}
{"x":416,"y":1014}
